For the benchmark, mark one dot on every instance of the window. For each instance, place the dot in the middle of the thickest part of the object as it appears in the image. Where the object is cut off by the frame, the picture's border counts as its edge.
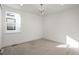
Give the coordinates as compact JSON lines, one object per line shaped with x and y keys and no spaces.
{"x":13,"y":22}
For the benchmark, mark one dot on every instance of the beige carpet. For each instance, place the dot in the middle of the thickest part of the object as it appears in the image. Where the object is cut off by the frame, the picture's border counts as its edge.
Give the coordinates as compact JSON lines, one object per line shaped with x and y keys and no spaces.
{"x":39,"y":47}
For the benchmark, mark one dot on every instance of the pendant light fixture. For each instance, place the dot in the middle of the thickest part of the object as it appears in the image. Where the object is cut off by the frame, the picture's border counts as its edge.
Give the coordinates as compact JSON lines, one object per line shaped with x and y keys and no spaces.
{"x":42,"y":9}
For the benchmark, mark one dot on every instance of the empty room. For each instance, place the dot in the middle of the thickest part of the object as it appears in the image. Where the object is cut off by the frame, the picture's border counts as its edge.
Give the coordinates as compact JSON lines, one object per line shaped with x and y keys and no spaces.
{"x":39,"y":29}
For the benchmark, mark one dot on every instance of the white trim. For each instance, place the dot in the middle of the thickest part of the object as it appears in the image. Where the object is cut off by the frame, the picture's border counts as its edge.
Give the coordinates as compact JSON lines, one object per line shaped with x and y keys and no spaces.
{"x":0,"y":28}
{"x":18,"y":23}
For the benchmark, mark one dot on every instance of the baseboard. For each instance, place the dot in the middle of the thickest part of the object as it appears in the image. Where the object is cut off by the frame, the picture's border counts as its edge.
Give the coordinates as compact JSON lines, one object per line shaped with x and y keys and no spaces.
{"x":54,"y":41}
{"x":30,"y":41}
{"x":19,"y":43}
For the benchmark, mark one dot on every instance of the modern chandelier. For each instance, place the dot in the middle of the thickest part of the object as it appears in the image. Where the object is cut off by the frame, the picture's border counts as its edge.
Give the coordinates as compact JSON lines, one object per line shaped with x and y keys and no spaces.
{"x":42,"y":9}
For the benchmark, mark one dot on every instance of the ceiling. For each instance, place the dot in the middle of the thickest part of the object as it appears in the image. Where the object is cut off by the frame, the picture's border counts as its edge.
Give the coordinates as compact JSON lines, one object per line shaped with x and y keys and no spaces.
{"x":49,"y":8}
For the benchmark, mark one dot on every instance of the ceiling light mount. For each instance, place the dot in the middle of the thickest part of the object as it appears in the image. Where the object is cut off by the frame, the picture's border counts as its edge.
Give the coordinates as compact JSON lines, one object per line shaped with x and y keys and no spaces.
{"x":21,"y":4}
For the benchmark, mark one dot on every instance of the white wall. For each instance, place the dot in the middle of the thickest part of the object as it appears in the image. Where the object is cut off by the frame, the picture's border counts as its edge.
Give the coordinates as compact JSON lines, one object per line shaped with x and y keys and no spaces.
{"x":63,"y":23}
{"x":53,"y":27}
{"x":31,"y":29}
